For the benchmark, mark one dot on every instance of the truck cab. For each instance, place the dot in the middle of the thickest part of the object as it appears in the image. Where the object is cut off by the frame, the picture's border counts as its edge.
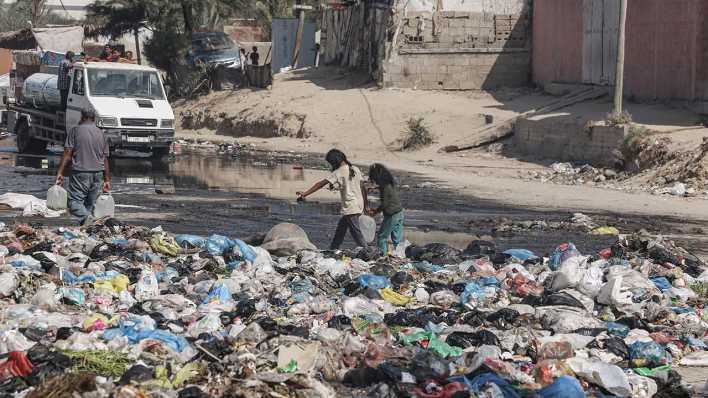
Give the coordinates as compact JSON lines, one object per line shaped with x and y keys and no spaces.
{"x":129,"y":101}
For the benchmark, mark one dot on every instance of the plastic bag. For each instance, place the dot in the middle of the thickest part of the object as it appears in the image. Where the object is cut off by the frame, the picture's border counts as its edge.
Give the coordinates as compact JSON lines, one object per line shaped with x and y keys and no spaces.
{"x":520,"y":254}
{"x":210,"y":323}
{"x":422,"y":296}
{"x":164,"y":245}
{"x":147,"y":286}
{"x":8,"y":283}
{"x":375,"y":282}
{"x":648,"y":354}
{"x":555,"y":350}
{"x":394,"y":298}
{"x":105,"y":206}
{"x":444,"y":298}
{"x":561,"y":254}
{"x":368,"y":228}
{"x":472,"y":295}
{"x":591,"y":282}
{"x":57,"y":198}
{"x":190,"y":241}
{"x":608,"y":376}
{"x":217,"y":245}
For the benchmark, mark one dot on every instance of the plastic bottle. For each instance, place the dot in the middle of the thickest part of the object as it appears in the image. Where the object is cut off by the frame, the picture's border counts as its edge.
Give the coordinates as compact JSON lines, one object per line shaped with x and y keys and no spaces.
{"x":56,"y":197}
{"x":105,"y":206}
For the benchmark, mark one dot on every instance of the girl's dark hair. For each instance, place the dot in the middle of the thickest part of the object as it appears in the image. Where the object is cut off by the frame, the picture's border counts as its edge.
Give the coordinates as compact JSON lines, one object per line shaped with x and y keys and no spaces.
{"x":379,"y":174}
{"x":335,"y":157}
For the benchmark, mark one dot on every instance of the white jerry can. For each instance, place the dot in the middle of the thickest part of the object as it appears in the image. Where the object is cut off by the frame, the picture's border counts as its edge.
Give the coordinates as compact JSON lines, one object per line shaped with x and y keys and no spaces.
{"x":105,"y":206}
{"x":57,"y":198}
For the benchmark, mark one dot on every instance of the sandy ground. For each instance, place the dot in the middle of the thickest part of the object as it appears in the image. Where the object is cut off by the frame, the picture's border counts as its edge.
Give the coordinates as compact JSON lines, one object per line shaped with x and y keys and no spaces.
{"x":366,"y":122}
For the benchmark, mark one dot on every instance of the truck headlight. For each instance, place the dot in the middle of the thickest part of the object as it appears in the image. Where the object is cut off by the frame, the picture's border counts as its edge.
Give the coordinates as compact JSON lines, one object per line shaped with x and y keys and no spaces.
{"x":167,"y":123}
{"x":107,"y":121}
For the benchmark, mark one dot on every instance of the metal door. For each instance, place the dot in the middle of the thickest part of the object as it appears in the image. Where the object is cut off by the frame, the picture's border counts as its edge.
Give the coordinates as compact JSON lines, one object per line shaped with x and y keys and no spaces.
{"x":284,"y":32}
{"x":600,"y":29}
{"x":76,"y":100}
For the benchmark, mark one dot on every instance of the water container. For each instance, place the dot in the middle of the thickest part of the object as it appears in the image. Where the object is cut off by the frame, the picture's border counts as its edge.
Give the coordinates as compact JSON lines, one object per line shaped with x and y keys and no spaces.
{"x":105,"y":206}
{"x":56,"y":198}
{"x":368,"y":228}
{"x":40,"y":90}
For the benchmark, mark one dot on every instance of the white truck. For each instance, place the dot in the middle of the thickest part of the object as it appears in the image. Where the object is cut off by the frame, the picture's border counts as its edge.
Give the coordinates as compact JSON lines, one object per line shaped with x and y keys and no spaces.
{"x":129,"y":102}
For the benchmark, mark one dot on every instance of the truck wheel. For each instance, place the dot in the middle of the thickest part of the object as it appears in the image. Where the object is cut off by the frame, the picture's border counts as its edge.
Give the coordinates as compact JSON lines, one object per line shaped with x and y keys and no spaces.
{"x":27,"y":144}
{"x":160,"y":152}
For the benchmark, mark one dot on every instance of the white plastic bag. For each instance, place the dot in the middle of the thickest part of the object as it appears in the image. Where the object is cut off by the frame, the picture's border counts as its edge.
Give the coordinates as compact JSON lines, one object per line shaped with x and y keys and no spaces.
{"x":8,"y":283}
{"x":147,"y":287}
{"x":105,"y":206}
{"x":57,"y":198}
{"x":591,"y":282}
{"x":610,"y":377}
{"x":368,"y":228}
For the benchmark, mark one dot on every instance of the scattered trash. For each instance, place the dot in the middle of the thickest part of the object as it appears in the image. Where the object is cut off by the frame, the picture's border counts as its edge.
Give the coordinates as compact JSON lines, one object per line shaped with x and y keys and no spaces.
{"x":119,"y":310}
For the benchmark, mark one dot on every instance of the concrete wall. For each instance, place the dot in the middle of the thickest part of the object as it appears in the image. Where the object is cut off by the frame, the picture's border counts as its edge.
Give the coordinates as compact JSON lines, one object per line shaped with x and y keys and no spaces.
{"x":481,"y":6}
{"x":478,"y":48}
{"x":666,"y":50}
{"x":566,"y":138}
{"x":459,"y":70}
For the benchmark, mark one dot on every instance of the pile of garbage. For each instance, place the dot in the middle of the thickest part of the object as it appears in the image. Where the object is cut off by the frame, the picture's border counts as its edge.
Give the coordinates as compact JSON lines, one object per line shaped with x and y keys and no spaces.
{"x":568,"y":174}
{"x":121,"y":310}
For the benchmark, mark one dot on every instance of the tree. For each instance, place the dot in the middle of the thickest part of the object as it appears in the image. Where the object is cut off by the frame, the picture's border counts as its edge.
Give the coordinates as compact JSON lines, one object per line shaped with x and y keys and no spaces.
{"x":15,"y":16}
{"x":264,"y":11}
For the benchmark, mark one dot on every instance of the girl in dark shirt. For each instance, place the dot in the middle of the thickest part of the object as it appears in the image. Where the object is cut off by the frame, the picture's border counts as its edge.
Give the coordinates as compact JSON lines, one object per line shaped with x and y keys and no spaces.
{"x":391,"y":208}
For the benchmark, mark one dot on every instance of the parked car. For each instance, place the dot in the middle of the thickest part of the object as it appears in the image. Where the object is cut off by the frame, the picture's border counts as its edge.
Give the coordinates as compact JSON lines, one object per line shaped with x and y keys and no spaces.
{"x":214,"y":48}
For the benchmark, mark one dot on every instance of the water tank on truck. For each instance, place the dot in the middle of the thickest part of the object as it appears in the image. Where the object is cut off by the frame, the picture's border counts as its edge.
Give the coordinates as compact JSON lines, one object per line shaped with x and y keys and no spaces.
{"x":40,"y":91}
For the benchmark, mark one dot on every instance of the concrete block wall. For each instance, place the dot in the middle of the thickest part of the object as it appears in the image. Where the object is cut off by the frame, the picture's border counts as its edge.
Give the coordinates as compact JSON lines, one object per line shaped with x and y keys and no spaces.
{"x":458,"y":70}
{"x":565,"y":138}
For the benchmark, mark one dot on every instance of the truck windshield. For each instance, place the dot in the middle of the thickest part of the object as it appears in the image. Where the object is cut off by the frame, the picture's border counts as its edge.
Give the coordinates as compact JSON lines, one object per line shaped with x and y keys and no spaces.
{"x":125,"y":83}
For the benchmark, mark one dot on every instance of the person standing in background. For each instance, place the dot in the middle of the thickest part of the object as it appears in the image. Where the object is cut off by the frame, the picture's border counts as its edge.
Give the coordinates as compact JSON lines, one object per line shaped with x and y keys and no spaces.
{"x":255,"y":57}
{"x":63,"y":79}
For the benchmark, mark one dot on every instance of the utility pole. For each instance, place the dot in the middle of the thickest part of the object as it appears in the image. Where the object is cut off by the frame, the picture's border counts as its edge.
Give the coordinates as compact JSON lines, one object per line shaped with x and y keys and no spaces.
{"x":300,"y":9}
{"x":619,"y":71}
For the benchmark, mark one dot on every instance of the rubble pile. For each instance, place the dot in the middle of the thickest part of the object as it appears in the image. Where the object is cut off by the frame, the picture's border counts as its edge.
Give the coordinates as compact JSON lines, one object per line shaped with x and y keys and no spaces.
{"x":690,"y":169}
{"x":126,"y":311}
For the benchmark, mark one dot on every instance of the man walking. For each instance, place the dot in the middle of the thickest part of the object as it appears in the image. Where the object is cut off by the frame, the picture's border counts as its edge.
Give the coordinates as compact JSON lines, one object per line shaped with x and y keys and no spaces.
{"x":87,"y":149}
{"x":63,"y":79}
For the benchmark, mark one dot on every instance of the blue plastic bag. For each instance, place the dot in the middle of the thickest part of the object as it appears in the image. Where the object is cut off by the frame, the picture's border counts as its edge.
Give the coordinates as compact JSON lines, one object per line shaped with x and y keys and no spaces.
{"x":562,"y":253}
{"x":373,"y":281}
{"x":488,"y":281}
{"x":130,"y":330}
{"x":186,"y":240}
{"x":564,"y":386}
{"x":617,"y":329}
{"x":662,"y":283}
{"x":478,"y":383}
{"x":247,"y":251}
{"x":217,"y":245}
{"x":219,"y":293}
{"x":473,"y":292}
{"x":521,"y":254}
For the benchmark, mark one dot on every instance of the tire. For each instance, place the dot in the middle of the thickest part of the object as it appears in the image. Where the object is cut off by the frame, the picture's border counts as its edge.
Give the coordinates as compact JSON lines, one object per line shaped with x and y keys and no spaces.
{"x":27,"y":144}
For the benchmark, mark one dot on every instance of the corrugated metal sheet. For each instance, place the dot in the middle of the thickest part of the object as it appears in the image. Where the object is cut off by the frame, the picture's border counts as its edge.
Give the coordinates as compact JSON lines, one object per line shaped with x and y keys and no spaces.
{"x":284,"y":32}
{"x":666,"y":49}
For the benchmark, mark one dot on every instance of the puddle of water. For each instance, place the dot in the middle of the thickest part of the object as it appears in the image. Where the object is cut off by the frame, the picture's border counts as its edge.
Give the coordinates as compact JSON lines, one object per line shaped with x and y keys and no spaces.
{"x":192,"y":171}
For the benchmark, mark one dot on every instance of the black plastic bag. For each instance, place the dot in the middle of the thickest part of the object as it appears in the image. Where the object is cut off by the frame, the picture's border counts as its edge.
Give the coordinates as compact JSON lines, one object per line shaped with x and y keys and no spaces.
{"x":362,"y":377}
{"x":136,"y":373}
{"x":504,"y":318}
{"x":426,"y":365}
{"x":562,"y":299}
{"x":475,"y":339}
{"x":480,"y":248}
